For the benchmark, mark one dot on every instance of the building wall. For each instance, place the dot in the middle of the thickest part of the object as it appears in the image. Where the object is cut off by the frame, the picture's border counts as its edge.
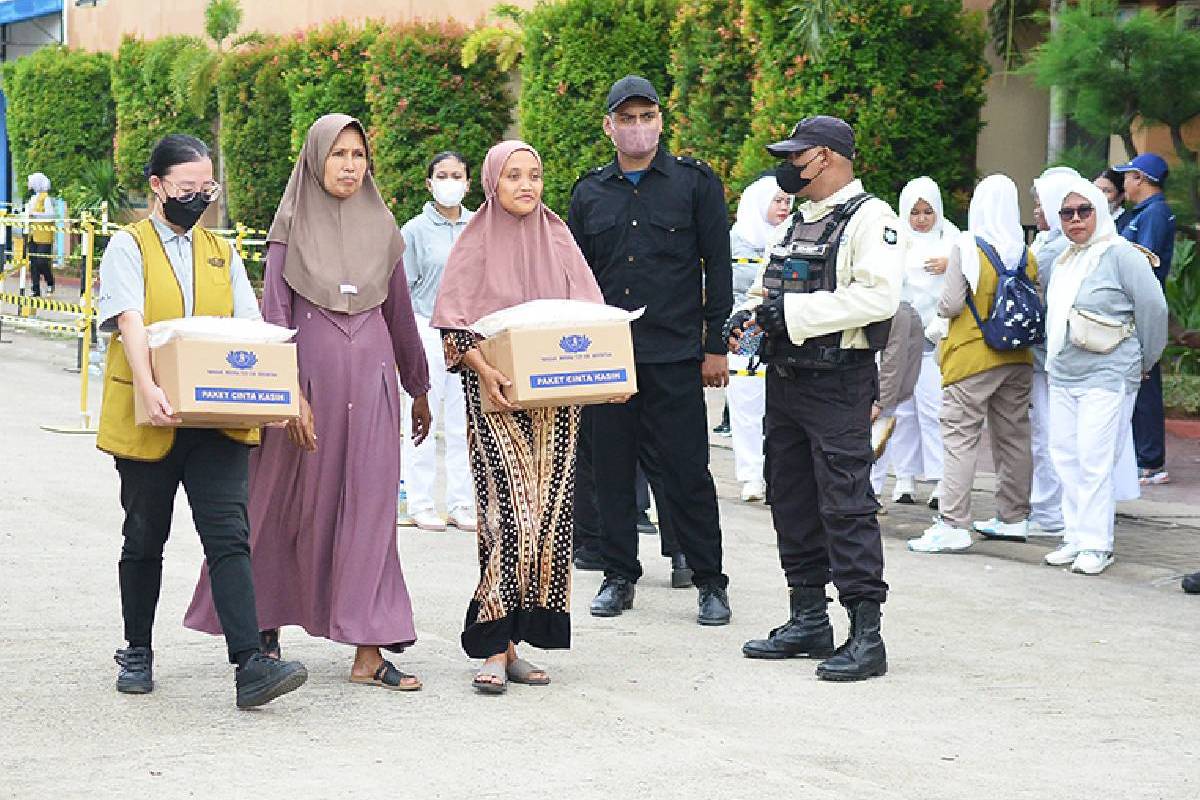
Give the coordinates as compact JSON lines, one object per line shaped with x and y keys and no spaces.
{"x":101,"y":27}
{"x":1016,"y":119}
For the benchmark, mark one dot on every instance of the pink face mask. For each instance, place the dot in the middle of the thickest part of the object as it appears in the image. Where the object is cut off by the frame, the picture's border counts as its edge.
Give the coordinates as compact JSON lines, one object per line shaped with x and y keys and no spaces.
{"x":637,"y":141}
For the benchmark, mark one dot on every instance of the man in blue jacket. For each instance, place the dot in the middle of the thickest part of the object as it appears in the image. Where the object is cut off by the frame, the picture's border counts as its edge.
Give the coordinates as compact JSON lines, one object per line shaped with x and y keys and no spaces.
{"x":1151,"y":225}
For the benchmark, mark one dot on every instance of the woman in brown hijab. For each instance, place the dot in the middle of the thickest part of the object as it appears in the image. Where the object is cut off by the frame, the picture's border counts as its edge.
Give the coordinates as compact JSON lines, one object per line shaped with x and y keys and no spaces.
{"x":322,"y":492}
{"x":514,"y":250}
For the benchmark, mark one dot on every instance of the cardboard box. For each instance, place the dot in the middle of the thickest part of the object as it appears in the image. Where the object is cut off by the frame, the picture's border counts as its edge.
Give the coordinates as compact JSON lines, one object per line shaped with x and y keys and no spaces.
{"x":225,"y":384}
{"x":565,"y":365}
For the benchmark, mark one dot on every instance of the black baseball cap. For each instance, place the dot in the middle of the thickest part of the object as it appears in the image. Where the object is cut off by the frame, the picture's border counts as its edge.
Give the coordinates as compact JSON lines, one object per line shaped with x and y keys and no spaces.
{"x":629,"y":87}
{"x":819,"y":131}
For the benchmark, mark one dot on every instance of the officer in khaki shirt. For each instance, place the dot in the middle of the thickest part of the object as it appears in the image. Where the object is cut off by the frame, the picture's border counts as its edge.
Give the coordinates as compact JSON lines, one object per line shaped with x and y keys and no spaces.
{"x":824,"y":302}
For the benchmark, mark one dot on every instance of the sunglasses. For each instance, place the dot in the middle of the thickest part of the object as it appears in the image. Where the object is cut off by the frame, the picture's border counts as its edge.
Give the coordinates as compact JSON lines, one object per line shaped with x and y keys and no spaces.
{"x":1068,"y":213}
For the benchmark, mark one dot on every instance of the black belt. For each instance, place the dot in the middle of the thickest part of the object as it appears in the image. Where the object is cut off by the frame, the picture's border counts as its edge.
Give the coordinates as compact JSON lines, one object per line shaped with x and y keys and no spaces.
{"x":824,"y":358}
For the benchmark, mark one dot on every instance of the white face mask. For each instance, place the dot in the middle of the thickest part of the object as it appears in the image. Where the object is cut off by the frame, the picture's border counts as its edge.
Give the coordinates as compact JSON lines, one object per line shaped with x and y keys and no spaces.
{"x":448,"y":192}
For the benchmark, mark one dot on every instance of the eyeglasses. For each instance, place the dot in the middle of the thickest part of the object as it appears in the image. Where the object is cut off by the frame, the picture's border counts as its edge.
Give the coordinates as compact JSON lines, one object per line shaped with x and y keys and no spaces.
{"x":1068,"y":213}
{"x":209,"y":191}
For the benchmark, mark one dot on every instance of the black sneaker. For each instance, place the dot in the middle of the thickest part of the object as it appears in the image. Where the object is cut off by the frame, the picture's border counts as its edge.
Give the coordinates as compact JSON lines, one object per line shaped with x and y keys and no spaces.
{"x":137,"y":670}
{"x":263,"y":679}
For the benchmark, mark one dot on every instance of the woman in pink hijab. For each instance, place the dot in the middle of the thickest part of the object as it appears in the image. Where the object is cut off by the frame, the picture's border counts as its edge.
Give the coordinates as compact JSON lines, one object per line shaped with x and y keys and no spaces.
{"x":514,"y":250}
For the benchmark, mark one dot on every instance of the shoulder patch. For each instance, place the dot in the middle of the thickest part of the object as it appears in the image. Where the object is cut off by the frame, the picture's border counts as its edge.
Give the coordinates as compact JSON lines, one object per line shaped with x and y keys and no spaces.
{"x":890,"y":236}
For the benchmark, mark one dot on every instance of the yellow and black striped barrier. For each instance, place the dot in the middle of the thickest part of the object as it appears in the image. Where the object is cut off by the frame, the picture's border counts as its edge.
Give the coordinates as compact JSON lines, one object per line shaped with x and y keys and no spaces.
{"x":42,"y":303}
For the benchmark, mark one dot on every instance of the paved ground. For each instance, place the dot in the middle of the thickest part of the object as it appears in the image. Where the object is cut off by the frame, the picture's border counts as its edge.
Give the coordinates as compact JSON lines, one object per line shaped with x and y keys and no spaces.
{"x":1008,"y":679}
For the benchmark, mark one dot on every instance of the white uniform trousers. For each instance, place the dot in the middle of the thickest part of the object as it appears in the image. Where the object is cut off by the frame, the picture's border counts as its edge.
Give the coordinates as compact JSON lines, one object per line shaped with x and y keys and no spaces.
{"x":418,"y":465}
{"x":747,"y":398}
{"x":1088,"y":430}
{"x":915,"y":450}
{"x":1045,"y":500}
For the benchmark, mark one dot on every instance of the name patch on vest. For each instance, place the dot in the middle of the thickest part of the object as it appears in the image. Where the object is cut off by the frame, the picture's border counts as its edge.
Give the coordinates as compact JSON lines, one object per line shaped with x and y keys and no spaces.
{"x":216,"y":262}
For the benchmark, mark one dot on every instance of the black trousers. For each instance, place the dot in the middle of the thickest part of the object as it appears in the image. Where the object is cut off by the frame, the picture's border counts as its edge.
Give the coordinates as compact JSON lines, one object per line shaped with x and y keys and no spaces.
{"x":1149,"y":423}
{"x":818,"y":465}
{"x":40,"y":260}
{"x":665,"y":428}
{"x":213,"y":470}
{"x":588,"y":528}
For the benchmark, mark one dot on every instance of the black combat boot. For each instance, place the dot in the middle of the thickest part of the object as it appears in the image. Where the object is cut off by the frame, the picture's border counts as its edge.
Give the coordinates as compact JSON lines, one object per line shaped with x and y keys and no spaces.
{"x":863,"y":655}
{"x":807,"y":634}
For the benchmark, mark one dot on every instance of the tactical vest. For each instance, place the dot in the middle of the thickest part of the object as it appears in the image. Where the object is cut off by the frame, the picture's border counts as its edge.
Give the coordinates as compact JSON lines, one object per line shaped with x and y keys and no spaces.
{"x":212,"y":296}
{"x":806,"y":262}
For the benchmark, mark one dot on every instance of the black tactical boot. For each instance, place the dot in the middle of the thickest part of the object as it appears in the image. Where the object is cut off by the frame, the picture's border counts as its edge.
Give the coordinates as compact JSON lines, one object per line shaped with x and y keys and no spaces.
{"x":807,"y":634}
{"x":863,"y":655}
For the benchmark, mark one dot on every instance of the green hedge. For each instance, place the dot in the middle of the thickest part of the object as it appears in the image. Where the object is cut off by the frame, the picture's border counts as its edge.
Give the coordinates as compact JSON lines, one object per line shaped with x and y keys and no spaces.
{"x":711,"y":66}
{"x":574,"y":50}
{"x":909,"y":77}
{"x":255,"y":131}
{"x":326,"y":75}
{"x":145,"y":103}
{"x":422,"y":100}
{"x":60,"y":115}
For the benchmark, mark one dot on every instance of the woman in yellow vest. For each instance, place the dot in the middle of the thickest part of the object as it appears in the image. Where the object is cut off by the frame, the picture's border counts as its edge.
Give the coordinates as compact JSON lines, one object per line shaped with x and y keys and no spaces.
{"x":982,"y":384}
{"x":166,"y":267}
{"x":41,"y":235}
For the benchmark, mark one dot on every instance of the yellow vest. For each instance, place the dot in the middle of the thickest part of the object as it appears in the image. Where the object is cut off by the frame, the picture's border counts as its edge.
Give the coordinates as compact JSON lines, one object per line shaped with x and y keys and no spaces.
{"x":964,"y":352}
{"x":41,"y":232}
{"x":212,"y":297}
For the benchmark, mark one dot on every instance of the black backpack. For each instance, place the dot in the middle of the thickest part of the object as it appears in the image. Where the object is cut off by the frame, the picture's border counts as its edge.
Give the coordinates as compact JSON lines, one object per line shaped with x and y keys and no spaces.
{"x":1017,"y":320}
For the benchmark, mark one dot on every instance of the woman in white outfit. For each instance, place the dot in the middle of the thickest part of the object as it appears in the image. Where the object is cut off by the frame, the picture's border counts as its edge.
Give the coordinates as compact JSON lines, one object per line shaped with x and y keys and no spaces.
{"x":762,"y":208}
{"x":1106,"y":327}
{"x":915,"y":450}
{"x":428,"y":238}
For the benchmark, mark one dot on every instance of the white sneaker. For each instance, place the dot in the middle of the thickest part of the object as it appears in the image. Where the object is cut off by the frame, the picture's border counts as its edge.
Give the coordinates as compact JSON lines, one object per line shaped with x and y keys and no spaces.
{"x":904,"y":490}
{"x":1092,"y":562}
{"x":753,"y":491}
{"x":1038,"y":529}
{"x":881,"y":432}
{"x":1063,"y":556}
{"x":463,"y":519}
{"x":1000,"y":531}
{"x":429,"y":521}
{"x":941,"y":538}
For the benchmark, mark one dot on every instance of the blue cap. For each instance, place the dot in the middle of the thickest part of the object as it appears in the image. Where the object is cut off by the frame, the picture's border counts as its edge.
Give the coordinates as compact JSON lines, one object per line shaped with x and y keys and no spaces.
{"x":1149,"y":164}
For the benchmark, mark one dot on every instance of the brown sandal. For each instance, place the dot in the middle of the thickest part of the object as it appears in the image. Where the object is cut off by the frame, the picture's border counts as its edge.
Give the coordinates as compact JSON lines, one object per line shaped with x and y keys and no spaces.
{"x":389,"y":677}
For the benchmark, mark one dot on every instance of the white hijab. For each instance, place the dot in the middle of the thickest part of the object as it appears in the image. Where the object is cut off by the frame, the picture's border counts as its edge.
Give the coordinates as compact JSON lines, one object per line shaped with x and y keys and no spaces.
{"x":1051,"y":188}
{"x":751,"y":223}
{"x":1074,"y":265}
{"x":995,"y":217}
{"x":921,"y":288}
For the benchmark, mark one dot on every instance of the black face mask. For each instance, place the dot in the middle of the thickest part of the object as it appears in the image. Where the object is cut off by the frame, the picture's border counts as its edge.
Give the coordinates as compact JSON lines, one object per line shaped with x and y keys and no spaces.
{"x":788,"y":176}
{"x":185,"y":215}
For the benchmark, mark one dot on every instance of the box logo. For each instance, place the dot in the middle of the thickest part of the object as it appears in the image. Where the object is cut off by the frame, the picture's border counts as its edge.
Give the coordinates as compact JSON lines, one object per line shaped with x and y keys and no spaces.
{"x":241,"y":359}
{"x":575,"y":343}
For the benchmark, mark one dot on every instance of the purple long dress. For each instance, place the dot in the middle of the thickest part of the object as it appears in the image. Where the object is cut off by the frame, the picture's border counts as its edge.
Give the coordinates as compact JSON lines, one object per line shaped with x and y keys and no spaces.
{"x":323,"y":524}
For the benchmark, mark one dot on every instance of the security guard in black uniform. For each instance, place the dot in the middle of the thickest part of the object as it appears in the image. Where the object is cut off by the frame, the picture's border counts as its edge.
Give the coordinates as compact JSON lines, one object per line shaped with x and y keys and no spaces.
{"x":824,"y":303}
{"x":654,"y":229}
